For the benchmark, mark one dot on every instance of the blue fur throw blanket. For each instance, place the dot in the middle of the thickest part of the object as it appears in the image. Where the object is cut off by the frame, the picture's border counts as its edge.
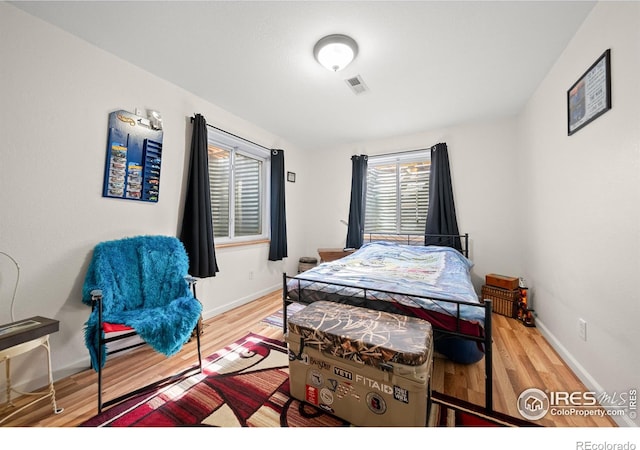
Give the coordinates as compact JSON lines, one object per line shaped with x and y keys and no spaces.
{"x":143,"y":286}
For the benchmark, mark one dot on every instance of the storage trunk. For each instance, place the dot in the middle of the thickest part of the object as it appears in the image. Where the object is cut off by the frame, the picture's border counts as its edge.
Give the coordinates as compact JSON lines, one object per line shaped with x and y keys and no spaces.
{"x":502,"y":281}
{"x":505,"y":301}
{"x":367,"y":367}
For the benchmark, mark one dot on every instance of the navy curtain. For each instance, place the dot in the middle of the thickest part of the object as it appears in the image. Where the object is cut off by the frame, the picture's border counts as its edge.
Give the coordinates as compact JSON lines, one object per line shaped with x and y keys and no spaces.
{"x":441,"y":216}
{"x":355,"y":231}
{"x":278,"y":243}
{"x":197,"y":227}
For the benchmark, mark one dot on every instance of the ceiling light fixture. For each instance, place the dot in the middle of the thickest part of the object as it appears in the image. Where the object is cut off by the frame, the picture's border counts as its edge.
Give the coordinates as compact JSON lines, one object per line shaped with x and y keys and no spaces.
{"x":335,"y":51}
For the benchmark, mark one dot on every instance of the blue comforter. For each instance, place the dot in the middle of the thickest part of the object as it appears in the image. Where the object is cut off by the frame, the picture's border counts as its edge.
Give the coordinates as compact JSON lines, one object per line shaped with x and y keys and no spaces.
{"x":411,"y":272}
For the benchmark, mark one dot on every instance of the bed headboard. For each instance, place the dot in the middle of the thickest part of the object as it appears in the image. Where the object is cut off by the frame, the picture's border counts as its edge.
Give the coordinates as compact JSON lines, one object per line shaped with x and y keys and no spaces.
{"x":447,"y":240}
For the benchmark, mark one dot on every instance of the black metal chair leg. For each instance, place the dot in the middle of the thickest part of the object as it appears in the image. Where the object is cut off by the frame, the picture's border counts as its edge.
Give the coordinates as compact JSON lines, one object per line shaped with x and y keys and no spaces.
{"x":100,"y":380}
{"x":198,"y":343}
{"x":101,"y":344}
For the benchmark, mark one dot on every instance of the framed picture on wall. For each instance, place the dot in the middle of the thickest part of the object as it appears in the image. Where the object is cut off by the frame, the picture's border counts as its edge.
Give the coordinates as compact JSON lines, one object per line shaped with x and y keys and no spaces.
{"x":590,"y":96}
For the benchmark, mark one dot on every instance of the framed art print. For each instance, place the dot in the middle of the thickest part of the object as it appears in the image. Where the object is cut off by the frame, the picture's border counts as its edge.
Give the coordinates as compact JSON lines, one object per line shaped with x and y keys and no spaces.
{"x":590,"y":96}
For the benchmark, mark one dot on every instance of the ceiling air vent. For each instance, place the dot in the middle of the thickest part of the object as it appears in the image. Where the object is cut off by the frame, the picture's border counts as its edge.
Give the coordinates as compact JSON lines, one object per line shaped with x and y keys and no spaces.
{"x":357,"y":85}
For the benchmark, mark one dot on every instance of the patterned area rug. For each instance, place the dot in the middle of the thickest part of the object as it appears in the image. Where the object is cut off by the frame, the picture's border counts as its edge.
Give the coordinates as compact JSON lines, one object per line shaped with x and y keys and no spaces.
{"x":244,"y":385}
{"x":275,"y":319}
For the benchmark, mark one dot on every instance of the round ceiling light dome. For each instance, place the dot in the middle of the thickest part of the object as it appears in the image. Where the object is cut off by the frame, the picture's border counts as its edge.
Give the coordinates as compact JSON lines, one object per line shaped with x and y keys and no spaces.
{"x":335,"y":51}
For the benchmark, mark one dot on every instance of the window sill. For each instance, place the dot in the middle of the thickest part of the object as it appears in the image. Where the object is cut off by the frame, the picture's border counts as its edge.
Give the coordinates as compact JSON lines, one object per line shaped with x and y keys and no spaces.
{"x":243,"y":243}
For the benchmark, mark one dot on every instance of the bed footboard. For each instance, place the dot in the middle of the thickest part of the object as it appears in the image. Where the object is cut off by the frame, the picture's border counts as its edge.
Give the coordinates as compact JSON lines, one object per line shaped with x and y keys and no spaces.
{"x":442,"y":322}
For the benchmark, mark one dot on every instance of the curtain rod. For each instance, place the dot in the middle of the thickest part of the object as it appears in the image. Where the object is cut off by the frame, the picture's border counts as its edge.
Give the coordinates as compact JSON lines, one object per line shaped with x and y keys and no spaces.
{"x":235,"y":135}
{"x":403,"y":153}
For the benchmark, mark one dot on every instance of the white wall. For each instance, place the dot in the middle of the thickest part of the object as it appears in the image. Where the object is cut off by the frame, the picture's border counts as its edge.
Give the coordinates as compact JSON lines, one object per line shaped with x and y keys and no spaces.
{"x":56,"y":94}
{"x":484,"y":175}
{"x":581,"y":230}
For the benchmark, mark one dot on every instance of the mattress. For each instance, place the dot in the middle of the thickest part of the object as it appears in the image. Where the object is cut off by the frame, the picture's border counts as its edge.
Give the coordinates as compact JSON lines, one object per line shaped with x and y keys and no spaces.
{"x":411,"y":277}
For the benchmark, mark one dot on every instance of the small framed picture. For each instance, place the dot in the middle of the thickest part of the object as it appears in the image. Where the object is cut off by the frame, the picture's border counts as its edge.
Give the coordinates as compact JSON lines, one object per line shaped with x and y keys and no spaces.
{"x":291,"y":176}
{"x":590,"y":96}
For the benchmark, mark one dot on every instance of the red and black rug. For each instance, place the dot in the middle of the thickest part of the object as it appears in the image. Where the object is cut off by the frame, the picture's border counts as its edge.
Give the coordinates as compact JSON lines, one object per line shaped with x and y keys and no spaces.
{"x":246,"y":384}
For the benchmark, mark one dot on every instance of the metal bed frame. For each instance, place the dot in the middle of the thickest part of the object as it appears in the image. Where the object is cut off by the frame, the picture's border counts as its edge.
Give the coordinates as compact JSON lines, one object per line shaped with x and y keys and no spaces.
{"x":414,"y":239}
{"x":371,"y":298}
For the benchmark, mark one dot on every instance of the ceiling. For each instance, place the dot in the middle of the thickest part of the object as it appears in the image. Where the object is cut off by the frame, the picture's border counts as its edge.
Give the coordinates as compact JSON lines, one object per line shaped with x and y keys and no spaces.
{"x":427,"y":64}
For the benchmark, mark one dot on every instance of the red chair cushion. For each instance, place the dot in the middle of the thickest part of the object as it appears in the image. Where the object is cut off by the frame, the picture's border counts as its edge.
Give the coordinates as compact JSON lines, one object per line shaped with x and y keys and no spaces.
{"x":114,"y":327}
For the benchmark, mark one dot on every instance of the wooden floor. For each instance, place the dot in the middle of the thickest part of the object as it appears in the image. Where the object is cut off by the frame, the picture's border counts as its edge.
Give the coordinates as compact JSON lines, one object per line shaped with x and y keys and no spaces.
{"x":522,"y":359}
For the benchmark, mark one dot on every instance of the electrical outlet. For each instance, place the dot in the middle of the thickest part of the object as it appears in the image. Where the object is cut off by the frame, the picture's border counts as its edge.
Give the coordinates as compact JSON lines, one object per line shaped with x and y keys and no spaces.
{"x":582,"y":329}
{"x":251,"y":274}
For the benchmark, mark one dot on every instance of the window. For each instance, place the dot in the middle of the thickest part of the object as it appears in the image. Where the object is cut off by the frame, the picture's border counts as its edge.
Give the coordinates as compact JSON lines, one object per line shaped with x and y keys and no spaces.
{"x":397,"y":196}
{"x":238,"y":172}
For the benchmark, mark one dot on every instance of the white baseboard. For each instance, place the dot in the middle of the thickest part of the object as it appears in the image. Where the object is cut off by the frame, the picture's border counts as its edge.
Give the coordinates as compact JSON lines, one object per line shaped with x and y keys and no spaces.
{"x":239,"y":302}
{"x":589,"y":381}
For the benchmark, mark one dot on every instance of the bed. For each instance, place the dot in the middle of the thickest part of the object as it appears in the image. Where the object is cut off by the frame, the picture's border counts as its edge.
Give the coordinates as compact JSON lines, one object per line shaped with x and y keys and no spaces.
{"x":430,"y":282}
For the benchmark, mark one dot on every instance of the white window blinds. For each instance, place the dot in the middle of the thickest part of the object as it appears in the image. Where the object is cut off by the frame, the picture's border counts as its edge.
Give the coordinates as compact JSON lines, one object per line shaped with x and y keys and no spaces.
{"x":238,"y":188}
{"x":397,"y":196}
